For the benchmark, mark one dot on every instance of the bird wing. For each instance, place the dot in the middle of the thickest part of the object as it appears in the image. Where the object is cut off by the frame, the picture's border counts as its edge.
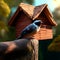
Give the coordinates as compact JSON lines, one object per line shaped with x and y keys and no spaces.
{"x":29,"y":29}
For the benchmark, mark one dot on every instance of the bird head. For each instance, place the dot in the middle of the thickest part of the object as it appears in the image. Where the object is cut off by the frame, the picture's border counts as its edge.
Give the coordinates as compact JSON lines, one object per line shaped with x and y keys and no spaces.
{"x":38,"y":22}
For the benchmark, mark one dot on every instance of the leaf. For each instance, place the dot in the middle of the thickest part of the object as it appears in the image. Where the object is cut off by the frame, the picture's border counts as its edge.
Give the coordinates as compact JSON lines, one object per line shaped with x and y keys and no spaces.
{"x":14,"y":3}
{"x":55,"y":45}
{"x":3,"y":26}
{"x":4,"y":9}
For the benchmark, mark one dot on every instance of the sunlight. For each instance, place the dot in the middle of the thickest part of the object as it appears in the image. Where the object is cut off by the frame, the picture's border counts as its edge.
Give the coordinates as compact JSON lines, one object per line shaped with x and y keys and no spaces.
{"x":56,"y":3}
{"x":52,"y":4}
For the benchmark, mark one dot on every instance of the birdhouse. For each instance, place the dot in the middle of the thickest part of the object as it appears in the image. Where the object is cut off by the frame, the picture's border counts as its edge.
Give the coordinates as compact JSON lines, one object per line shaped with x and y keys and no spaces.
{"x":24,"y":16}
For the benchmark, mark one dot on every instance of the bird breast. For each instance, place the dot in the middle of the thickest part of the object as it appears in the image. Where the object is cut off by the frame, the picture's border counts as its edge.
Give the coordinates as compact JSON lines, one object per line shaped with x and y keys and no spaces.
{"x":37,"y":27}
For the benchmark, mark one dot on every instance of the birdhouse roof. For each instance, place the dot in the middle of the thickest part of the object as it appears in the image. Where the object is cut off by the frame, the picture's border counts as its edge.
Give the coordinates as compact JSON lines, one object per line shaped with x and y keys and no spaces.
{"x":33,"y":12}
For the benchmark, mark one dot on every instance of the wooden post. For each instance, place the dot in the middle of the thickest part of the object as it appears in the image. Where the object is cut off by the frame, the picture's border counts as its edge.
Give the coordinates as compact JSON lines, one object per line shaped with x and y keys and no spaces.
{"x":22,"y":49}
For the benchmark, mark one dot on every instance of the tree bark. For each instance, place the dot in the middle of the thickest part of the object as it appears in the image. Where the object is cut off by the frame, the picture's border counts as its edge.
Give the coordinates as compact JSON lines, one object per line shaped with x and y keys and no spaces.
{"x":22,"y":49}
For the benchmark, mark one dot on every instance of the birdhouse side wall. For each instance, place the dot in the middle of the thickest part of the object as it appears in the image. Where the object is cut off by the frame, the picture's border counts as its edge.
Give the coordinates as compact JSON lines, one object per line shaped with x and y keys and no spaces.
{"x":45,"y":33}
{"x":21,"y":23}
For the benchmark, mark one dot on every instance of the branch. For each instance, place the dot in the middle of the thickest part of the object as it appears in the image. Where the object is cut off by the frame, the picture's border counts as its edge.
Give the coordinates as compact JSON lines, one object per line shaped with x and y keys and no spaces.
{"x":22,"y":49}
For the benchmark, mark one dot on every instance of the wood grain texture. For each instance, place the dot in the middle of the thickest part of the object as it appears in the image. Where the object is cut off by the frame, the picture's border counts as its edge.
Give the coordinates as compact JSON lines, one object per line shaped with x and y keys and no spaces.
{"x":26,"y":13}
{"x":32,"y":12}
{"x":22,"y":49}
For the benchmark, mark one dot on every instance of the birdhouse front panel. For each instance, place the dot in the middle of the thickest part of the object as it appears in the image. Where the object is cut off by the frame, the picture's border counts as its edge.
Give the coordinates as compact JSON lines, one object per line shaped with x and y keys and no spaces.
{"x":21,"y":23}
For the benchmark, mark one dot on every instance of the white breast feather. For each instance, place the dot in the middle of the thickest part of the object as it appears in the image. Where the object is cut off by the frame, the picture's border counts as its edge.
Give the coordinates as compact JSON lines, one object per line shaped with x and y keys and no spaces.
{"x":37,"y":27}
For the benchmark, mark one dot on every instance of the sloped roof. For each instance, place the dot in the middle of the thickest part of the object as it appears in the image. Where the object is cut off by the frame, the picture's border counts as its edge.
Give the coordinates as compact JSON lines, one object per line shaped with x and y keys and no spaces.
{"x":29,"y":9}
{"x":33,"y":12}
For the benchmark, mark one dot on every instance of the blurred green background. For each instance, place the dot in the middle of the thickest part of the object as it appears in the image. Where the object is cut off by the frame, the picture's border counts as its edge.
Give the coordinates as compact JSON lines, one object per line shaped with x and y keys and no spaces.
{"x":49,"y":49}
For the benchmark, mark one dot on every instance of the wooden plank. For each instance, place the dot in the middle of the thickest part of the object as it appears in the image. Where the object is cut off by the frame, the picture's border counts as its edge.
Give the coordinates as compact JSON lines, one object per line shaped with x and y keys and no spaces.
{"x":48,"y":11}
{"x":50,"y":18}
{"x":28,"y":9}
{"x":38,"y":10}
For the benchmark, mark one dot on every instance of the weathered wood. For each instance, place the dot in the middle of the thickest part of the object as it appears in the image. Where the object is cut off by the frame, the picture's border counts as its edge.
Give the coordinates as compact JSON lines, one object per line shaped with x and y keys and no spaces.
{"x":22,"y":49}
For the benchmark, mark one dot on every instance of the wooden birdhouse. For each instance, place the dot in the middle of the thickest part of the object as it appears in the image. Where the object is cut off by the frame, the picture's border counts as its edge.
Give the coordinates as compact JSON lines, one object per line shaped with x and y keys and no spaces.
{"x":24,"y":16}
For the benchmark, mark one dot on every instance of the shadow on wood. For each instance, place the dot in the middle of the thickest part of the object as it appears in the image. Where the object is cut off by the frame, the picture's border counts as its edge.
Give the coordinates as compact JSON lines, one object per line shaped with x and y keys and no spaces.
{"x":22,"y":49}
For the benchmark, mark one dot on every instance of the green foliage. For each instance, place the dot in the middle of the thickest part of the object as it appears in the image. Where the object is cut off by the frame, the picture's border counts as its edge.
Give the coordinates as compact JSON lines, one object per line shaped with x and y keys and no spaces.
{"x":8,"y":33}
{"x":4,"y":9}
{"x":3,"y":29}
{"x":30,"y":1}
{"x":58,"y":30}
{"x":56,"y":13}
{"x":55,"y":45}
{"x":14,"y":3}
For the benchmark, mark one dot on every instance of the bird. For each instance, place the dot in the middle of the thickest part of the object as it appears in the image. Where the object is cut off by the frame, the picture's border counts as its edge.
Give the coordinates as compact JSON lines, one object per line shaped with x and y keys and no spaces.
{"x":33,"y":27}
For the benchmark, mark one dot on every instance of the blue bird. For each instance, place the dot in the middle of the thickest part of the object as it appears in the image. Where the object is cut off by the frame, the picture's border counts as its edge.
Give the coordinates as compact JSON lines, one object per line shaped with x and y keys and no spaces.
{"x":33,"y":27}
